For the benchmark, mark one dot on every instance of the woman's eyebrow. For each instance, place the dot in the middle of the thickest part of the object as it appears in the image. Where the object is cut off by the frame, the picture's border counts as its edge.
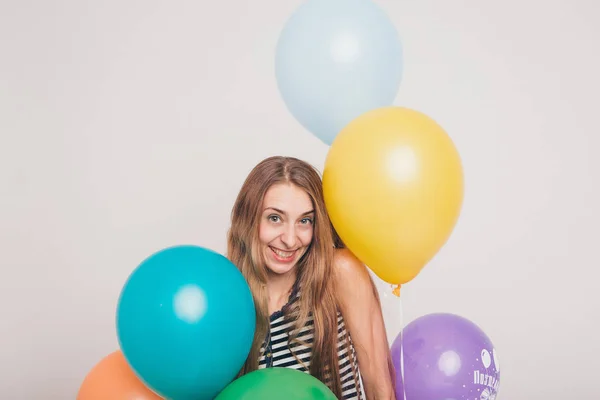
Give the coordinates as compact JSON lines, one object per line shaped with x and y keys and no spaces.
{"x":275,"y":209}
{"x":283,"y":212}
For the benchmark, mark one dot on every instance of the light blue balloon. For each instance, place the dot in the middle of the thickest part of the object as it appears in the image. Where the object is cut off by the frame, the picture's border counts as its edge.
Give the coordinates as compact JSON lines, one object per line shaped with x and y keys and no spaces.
{"x":335,"y":60}
{"x":185,"y":322}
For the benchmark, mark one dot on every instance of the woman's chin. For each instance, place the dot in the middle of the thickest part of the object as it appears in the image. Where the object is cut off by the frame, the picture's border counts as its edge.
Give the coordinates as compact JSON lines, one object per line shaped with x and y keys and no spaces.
{"x":278,"y":269}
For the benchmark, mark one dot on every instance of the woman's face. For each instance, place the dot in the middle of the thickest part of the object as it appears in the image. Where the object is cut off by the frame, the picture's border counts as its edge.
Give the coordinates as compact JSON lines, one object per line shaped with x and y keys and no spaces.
{"x":286,"y":226}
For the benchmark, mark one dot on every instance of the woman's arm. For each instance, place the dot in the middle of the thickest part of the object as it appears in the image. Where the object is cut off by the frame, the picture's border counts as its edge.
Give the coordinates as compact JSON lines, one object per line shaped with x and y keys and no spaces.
{"x":362,"y":313}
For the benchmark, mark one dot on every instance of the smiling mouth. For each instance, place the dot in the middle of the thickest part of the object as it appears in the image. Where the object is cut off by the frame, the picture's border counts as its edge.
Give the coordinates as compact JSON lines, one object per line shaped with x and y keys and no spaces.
{"x":283,"y":255}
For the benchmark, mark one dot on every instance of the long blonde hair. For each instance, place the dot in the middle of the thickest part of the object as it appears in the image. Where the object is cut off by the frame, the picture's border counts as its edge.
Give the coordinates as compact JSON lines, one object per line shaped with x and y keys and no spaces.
{"x":315,"y":269}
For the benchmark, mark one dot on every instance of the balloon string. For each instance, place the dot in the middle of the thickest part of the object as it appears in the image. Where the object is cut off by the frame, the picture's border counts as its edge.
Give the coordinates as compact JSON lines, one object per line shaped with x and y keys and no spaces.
{"x":402,"y":350}
{"x":396,"y":292}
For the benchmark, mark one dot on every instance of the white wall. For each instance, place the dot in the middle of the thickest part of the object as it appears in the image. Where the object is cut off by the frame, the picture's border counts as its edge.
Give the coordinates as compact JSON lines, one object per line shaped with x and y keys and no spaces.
{"x":129,"y":126}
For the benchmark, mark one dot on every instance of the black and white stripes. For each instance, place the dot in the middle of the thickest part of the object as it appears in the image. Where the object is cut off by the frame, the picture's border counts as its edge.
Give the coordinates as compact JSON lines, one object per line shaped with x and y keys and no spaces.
{"x":277,"y":351}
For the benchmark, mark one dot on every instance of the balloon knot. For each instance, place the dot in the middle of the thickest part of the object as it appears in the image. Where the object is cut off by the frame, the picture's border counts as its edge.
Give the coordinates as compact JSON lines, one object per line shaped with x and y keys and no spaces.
{"x":396,"y":290}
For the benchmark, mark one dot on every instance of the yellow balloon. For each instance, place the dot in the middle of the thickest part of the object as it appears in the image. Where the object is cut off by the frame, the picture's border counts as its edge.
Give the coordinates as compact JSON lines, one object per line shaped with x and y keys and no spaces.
{"x":393,"y":186}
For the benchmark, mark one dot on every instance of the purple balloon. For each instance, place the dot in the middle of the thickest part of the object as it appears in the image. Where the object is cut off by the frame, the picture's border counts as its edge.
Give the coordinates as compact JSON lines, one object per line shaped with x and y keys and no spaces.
{"x":446,"y":357}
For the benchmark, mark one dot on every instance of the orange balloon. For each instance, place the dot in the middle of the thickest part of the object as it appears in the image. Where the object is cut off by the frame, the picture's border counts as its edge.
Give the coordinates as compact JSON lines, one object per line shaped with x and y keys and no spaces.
{"x":113,"y":379}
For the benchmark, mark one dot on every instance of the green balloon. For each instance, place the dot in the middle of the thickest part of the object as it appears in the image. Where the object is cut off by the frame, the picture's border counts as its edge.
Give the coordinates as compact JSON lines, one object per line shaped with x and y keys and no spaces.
{"x":276,"y":384}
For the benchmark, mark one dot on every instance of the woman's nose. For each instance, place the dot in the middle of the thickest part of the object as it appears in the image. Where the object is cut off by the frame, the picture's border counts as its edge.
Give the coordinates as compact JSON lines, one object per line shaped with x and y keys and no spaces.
{"x":288,"y":237}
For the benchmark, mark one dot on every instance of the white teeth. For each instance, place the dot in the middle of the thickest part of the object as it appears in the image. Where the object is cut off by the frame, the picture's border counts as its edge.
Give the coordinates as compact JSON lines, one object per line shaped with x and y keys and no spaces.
{"x":282,"y":254}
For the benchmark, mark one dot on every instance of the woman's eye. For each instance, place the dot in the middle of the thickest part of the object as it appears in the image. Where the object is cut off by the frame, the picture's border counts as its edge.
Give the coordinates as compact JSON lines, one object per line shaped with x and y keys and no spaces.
{"x":306,"y":221}
{"x":274,"y":218}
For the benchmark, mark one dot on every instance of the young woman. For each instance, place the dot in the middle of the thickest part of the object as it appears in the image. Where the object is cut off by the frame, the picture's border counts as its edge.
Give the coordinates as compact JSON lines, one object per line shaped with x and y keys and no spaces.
{"x":317,"y":308}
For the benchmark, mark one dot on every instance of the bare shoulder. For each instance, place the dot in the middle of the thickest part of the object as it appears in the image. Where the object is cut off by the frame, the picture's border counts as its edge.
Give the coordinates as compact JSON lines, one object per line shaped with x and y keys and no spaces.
{"x":348,"y":266}
{"x":351,"y":275}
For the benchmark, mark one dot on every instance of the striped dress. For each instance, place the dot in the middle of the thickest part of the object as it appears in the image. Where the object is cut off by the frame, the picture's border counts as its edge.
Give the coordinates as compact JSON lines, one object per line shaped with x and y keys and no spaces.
{"x":275,"y":351}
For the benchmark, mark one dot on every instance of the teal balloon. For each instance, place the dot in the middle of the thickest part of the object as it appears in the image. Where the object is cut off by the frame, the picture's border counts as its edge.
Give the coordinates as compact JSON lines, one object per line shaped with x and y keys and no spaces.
{"x":335,"y":60}
{"x":185,"y":322}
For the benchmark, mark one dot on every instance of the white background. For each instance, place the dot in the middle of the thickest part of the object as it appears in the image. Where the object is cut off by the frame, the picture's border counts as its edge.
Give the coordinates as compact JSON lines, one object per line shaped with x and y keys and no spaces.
{"x":127,"y":127}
